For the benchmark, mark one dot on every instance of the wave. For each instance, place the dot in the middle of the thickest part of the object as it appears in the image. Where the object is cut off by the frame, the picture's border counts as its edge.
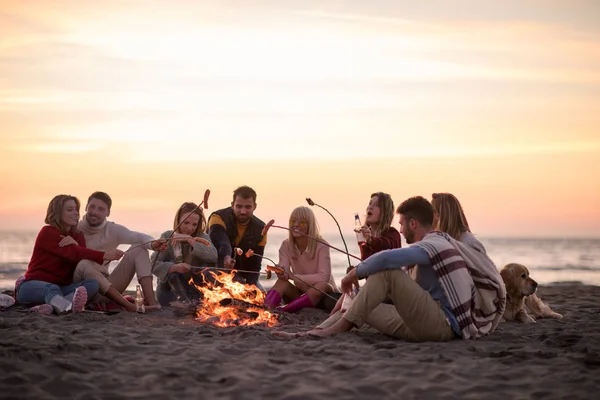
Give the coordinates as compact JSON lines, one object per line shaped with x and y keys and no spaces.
{"x":566,"y":268}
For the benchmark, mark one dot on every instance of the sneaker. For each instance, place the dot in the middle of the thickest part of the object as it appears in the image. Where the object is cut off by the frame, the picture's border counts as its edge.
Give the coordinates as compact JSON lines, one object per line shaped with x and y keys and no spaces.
{"x":79,"y":299}
{"x":44,"y":309}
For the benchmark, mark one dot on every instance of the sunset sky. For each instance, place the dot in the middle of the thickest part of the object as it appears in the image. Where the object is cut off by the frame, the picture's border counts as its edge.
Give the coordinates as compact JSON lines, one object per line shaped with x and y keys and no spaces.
{"x":156,"y":101}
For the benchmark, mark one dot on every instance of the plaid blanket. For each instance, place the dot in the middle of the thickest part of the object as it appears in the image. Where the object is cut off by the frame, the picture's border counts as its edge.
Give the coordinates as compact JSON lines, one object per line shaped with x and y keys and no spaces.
{"x":471,"y":282}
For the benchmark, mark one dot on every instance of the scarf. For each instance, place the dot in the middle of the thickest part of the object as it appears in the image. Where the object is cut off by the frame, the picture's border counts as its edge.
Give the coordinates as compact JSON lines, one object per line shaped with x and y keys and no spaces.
{"x":471,"y":282}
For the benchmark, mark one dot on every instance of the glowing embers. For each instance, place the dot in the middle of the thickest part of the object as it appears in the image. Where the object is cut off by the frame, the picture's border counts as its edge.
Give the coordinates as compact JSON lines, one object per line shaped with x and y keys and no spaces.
{"x":228,"y":303}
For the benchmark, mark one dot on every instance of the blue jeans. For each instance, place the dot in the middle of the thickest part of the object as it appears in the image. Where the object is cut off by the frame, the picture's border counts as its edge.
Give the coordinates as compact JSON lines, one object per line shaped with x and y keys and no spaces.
{"x":40,"y":292}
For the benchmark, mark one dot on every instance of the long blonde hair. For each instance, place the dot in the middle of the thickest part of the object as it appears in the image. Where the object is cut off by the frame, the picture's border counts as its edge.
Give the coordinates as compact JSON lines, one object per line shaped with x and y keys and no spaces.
{"x":386,"y":205}
{"x":451,"y":217}
{"x":187,"y":208}
{"x":55,"y":211}
{"x":305,"y":213}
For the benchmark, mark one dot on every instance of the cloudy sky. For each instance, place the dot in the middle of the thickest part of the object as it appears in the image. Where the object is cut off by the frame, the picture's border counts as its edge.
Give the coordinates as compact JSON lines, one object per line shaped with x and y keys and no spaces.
{"x":156,"y":101}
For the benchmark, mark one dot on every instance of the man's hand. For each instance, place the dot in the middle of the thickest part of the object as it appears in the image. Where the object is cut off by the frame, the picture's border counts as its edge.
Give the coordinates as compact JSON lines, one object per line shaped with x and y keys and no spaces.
{"x":338,"y":305}
{"x":228,"y":262}
{"x":350,"y":281}
{"x":159,"y":245}
{"x":181,"y":268}
{"x":113,"y":255}
{"x":67,"y":241}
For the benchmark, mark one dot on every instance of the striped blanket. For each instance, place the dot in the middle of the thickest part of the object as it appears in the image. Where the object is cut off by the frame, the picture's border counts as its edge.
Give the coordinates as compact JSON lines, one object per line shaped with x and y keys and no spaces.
{"x":471,"y":282}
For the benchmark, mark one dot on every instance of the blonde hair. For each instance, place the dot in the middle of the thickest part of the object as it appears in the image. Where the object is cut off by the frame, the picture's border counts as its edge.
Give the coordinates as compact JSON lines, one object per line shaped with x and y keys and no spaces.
{"x":306,"y":214}
{"x":451,"y":217}
{"x":55,"y":210}
{"x":386,"y":205}
{"x":187,"y":208}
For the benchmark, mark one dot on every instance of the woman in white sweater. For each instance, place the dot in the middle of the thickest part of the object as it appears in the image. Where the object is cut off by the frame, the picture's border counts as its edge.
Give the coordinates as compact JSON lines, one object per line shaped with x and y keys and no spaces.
{"x":175,"y":266}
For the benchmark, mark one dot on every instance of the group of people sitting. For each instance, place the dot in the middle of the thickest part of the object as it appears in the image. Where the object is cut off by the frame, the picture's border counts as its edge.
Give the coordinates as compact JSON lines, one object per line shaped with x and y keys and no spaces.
{"x":444,"y":286}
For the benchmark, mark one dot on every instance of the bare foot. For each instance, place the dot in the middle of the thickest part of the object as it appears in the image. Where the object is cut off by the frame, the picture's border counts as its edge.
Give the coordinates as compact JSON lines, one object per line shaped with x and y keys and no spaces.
{"x":153,"y":307}
{"x":339,"y":327}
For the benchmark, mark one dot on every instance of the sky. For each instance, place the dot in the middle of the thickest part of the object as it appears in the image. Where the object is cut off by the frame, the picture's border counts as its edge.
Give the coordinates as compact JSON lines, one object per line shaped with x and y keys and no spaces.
{"x":498,"y":103}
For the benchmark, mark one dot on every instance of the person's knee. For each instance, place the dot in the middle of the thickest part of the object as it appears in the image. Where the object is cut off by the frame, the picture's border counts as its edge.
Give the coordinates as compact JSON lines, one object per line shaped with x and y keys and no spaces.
{"x":86,"y":269}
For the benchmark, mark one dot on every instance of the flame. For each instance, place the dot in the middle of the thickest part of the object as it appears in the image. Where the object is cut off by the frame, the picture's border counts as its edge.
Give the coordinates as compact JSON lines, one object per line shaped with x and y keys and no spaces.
{"x":211,"y":310}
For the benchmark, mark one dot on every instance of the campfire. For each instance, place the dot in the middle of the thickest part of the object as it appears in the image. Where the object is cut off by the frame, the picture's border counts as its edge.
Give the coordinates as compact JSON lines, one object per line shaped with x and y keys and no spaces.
{"x":228,"y":303}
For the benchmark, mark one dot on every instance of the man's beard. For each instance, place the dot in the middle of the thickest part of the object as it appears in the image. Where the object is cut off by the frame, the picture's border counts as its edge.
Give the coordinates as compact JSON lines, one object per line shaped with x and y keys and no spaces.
{"x":410,"y":237}
{"x":87,"y":217}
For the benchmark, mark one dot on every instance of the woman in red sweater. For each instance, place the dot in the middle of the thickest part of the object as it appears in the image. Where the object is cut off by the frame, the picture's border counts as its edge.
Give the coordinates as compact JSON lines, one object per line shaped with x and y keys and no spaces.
{"x":57,"y":250}
{"x":378,"y":231}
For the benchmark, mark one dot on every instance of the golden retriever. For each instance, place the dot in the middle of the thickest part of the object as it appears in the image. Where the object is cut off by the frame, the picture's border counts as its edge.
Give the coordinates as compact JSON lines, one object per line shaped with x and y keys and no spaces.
{"x":522,"y":305}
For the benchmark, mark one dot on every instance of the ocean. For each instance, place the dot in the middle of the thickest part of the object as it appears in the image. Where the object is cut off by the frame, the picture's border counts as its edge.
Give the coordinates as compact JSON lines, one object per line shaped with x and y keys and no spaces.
{"x":549,"y":260}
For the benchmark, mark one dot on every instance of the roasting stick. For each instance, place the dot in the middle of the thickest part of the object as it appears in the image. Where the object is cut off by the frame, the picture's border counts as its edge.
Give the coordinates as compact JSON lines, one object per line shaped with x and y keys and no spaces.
{"x":203,"y":202}
{"x":277,"y":269}
{"x":314,"y":238}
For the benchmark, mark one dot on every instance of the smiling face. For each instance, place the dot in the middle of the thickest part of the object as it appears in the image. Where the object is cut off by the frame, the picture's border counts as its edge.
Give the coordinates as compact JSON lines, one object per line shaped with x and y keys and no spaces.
{"x":70,"y":214}
{"x":96,"y":212}
{"x":373,"y":211}
{"x":298,"y":227}
{"x":243,"y":209}
{"x":190,"y":223}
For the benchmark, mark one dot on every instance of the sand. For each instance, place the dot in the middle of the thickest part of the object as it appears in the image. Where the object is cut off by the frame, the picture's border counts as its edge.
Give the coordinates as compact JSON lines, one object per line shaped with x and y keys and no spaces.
{"x":162,"y":356}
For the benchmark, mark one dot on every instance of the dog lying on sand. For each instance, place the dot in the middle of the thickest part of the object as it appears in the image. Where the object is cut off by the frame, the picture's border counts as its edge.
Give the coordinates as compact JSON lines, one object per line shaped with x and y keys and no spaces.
{"x":522,"y":304}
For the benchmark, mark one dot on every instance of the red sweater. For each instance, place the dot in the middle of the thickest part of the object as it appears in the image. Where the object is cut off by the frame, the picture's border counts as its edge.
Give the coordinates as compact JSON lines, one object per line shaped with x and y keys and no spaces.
{"x":390,"y":239}
{"x":53,"y":264}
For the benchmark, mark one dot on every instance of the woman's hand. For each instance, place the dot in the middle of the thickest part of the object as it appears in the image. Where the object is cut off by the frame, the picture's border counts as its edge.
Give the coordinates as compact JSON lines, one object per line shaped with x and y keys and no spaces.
{"x":67,"y":241}
{"x":366,"y":231}
{"x":181,"y":237}
{"x":113,"y":255}
{"x":180,"y":268}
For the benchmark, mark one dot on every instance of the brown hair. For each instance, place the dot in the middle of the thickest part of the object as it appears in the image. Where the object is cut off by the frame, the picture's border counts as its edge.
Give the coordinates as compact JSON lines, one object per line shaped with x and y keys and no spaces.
{"x":417,"y":208}
{"x":55,"y":210}
{"x":101,"y":196}
{"x":245,"y":192}
{"x":386,"y":204}
{"x":451,"y":217}
{"x":187,"y":208}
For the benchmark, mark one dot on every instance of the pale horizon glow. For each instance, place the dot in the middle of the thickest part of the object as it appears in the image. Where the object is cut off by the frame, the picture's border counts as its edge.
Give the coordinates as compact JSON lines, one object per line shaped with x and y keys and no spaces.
{"x":499,"y":105}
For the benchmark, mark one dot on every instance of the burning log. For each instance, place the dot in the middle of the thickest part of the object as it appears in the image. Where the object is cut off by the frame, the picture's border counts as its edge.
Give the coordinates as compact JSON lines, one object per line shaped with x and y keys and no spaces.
{"x":241,"y":304}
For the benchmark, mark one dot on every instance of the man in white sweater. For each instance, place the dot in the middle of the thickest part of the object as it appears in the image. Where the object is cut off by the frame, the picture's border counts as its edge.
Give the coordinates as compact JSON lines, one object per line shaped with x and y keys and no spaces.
{"x":104,"y":235}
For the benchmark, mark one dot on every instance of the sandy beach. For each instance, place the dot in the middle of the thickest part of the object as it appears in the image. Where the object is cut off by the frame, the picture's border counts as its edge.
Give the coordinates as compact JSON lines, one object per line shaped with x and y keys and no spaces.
{"x":163,"y":356}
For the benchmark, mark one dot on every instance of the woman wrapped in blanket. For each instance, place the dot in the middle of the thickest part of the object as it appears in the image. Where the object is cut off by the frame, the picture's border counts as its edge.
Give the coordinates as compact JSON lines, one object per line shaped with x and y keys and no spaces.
{"x":48,"y":282}
{"x":190,"y":247}
{"x":304,"y":260}
{"x":449,"y":217}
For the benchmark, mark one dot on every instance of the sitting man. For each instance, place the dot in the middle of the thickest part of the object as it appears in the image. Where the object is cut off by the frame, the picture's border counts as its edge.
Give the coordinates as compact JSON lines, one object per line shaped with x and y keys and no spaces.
{"x":442,"y":302}
{"x":107,"y":236}
{"x":236,"y":226}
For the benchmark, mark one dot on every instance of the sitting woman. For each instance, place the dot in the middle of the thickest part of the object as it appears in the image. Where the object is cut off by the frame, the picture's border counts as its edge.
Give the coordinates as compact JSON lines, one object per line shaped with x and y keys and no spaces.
{"x":449,"y":217}
{"x":305,"y":262}
{"x":379,"y":235}
{"x":58,"y":248}
{"x":175,"y":266}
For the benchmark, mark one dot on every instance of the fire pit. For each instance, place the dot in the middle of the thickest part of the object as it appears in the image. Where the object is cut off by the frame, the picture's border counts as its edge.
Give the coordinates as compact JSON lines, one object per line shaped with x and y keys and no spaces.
{"x":228,"y":303}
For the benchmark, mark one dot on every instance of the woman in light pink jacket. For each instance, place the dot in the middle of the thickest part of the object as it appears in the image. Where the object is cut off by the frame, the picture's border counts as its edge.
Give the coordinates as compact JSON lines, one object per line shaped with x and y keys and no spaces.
{"x":304,"y":260}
